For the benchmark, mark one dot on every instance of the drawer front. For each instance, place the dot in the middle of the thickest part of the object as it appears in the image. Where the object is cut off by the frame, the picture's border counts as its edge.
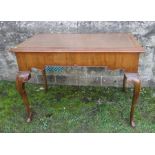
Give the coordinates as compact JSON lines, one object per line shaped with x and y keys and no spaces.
{"x":113,"y":60}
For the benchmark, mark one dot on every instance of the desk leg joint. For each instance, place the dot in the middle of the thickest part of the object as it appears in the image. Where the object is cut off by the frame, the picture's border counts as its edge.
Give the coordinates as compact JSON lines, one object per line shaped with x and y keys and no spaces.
{"x":21,"y":78}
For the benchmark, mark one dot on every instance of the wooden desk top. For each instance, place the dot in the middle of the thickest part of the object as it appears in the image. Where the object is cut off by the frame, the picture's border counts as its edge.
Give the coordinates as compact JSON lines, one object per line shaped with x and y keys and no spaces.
{"x":96,"y":42}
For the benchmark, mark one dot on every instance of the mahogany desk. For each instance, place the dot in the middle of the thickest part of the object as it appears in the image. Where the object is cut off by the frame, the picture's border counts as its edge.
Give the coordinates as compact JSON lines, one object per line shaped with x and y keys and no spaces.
{"x":114,"y":50}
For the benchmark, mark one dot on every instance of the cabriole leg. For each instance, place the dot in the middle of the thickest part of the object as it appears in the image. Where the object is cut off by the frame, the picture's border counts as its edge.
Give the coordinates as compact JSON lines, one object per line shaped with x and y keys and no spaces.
{"x":21,"y":78}
{"x":45,"y":80}
{"x":136,"y":93}
{"x":134,"y":78}
{"x":124,"y":83}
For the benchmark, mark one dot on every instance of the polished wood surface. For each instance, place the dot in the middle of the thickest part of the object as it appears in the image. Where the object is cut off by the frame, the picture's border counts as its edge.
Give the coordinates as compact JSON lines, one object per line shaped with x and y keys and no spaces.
{"x":95,"y":42}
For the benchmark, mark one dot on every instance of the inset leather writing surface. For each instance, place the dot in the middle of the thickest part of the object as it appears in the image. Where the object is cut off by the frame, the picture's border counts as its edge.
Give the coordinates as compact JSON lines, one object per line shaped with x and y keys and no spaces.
{"x":96,"y":42}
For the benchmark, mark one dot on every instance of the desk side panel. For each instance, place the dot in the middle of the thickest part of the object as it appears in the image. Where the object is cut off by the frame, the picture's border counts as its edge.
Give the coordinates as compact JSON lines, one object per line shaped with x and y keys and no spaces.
{"x":126,"y":61}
